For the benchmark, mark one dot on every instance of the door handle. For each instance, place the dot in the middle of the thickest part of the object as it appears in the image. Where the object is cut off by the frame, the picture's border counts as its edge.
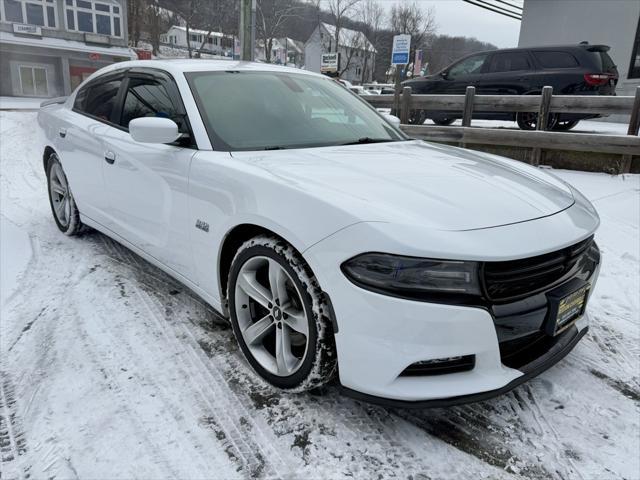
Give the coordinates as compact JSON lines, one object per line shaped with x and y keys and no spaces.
{"x":110,"y":157}
{"x":62,"y":132}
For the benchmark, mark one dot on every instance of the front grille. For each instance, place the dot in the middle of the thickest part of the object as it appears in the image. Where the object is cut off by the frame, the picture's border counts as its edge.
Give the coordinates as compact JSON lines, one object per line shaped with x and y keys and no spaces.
{"x":518,"y":278}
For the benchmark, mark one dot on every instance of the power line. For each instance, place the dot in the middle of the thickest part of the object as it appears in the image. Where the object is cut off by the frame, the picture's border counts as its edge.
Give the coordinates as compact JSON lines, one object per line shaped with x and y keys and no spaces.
{"x":498,"y":8}
{"x":494,"y":9}
{"x":517,"y":7}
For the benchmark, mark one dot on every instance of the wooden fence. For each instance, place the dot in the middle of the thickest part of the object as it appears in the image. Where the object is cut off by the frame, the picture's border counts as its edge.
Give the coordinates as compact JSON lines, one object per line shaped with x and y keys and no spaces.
{"x":626,"y":146}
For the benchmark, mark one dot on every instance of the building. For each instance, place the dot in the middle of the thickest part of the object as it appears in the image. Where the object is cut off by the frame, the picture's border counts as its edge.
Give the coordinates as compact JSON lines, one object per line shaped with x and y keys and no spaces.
{"x":215,"y":43}
{"x":47,"y":47}
{"x":281,"y":48}
{"x":613,"y":23}
{"x":357,"y":53}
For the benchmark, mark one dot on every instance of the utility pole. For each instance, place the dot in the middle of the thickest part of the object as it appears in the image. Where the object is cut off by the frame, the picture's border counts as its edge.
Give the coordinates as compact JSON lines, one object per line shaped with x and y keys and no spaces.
{"x":247,"y":29}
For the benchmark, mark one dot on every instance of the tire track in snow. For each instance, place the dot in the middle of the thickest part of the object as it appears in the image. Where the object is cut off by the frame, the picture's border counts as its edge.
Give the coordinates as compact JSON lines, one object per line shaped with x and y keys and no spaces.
{"x":235,"y":427}
{"x":13,"y":444}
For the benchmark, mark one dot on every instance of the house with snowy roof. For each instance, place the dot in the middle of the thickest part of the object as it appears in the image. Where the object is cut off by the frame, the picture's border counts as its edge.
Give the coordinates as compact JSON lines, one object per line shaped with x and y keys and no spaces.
{"x":357,"y":53}
{"x":216,"y":43}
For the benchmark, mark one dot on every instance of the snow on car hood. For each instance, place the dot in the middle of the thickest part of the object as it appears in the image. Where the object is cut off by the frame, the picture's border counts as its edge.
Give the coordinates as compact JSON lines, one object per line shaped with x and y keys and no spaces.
{"x":419,"y":183}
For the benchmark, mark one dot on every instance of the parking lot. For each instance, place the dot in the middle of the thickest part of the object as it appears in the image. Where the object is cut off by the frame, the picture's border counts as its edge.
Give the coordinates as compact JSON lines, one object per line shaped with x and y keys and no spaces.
{"x":112,"y":369}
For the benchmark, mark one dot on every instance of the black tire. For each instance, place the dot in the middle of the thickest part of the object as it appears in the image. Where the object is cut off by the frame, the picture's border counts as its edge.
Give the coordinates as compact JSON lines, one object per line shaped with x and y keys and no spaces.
{"x":529,"y":121}
{"x":565,"y":126}
{"x":70,"y":223}
{"x":319,"y":362}
{"x":443,"y":122}
{"x":417,"y":117}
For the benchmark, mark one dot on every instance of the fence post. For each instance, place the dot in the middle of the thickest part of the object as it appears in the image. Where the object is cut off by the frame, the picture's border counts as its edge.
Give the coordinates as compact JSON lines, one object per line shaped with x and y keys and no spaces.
{"x":634,"y":127}
{"x":543,"y":120}
{"x":468,"y":106}
{"x":405,"y":105}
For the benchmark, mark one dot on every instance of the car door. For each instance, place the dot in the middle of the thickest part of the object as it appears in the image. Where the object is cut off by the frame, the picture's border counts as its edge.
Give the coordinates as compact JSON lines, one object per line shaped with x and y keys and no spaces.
{"x":81,"y":143}
{"x":146,"y":183}
{"x":507,"y":73}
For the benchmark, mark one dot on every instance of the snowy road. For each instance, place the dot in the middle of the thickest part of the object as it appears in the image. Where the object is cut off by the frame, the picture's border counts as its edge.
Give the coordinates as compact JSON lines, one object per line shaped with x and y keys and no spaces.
{"x":111,"y":369}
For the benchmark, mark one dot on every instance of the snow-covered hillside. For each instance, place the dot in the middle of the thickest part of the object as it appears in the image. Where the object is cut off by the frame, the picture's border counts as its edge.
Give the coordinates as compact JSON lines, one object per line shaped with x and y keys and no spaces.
{"x":111,"y":369}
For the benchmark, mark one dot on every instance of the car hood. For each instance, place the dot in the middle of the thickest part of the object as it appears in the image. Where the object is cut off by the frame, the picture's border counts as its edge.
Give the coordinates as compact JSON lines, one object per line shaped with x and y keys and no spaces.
{"x":414,"y":182}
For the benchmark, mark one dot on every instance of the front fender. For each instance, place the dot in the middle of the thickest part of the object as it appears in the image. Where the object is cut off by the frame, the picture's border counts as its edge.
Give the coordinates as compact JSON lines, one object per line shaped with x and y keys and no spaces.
{"x":225,"y":192}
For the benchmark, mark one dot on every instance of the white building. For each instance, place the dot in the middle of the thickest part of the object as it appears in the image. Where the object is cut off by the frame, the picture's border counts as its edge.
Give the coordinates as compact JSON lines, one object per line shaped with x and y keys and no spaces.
{"x":613,"y":23}
{"x":47,"y":47}
{"x":357,"y":53}
{"x":281,"y":49}
{"x":215,"y":43}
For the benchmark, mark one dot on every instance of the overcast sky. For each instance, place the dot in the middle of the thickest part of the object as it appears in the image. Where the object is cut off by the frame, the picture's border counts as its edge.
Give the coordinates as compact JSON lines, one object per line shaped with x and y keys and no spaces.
{"x":455,"y":17}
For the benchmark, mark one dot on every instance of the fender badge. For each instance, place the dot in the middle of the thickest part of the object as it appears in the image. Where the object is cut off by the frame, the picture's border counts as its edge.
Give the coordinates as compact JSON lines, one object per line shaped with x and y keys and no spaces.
{"x":202,"y":225}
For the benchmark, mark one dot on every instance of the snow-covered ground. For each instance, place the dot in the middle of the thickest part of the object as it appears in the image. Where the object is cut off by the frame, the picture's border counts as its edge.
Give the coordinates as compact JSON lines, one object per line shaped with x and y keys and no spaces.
{"x":111,"y":369}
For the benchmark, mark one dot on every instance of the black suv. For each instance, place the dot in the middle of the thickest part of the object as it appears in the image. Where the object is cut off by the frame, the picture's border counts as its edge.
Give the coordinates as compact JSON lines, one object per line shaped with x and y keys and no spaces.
{"x":570,"y":69}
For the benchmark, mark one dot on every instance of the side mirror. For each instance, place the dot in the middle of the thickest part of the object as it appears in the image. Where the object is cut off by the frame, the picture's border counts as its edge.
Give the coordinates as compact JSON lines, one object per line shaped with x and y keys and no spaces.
{"x":153,"y":130}
{"x":445,"y":75}
{"x":392,"y":119}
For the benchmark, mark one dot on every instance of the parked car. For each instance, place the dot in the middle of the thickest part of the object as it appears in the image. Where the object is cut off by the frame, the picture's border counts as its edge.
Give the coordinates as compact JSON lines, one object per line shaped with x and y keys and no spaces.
{"x":570,"y":69}
{"x":360,"y":90}
{"x":422,"y":274}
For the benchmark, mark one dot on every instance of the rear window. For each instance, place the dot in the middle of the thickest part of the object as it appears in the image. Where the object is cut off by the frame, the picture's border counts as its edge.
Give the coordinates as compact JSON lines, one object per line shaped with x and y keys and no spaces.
{"x":603,"y":62}
{"x":508,"y":62}
{"x":98,"y":99}
{"x":551,"y":59}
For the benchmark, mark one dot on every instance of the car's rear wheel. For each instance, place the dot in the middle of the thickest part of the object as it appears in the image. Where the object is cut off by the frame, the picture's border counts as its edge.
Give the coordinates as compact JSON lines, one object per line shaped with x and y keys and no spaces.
{"x":565,"y":126}
{"x":280,"y":316}
{"x":63,"y":206}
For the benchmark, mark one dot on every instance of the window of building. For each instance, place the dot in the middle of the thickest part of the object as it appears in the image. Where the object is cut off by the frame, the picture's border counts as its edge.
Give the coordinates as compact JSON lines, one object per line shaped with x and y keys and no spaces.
{"x":550,"y":59}
{"x":99,"y":17}
{"x":634,"y":68}
{"x":34,"y":12}
{"x":33,"y":81}
{"x":509,"y":62}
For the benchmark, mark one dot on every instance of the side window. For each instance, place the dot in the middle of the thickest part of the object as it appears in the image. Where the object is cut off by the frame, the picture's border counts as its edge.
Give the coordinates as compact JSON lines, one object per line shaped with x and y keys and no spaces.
{"x":147,"y":97}
{"x":468,"y":66}
{"x":550,"y":59}
{"x":509,"y":62}
{"x":98,"y":99}
{"x":81,"y":96}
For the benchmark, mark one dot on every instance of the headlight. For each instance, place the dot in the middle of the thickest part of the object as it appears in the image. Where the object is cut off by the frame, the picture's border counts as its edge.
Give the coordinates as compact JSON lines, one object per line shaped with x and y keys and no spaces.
{"x":397,"y":274}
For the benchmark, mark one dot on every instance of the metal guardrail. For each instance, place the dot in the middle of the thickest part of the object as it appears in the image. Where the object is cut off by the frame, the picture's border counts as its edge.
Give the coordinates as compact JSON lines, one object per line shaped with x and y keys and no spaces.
{"x":544,"y":105}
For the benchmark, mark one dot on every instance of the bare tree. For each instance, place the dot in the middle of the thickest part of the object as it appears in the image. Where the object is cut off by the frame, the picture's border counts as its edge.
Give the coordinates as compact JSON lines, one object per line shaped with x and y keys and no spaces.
{"x":409,"y":18}
{"x":372,"y":15}
{"x":271,"y":18}
{"x":340,"y":10}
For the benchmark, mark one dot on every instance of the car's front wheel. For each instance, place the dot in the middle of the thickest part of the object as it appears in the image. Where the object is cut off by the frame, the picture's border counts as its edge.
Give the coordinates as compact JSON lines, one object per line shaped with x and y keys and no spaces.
{"x":280,"y":316}
{"x":63,"y":206}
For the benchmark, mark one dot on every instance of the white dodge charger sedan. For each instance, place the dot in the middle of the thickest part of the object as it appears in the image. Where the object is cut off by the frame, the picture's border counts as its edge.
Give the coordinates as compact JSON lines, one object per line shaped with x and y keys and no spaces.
{"x":418,"y":274}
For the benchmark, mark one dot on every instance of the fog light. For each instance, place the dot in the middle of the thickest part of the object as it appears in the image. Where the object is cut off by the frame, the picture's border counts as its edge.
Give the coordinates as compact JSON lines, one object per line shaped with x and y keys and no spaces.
{"x":440,"y":366}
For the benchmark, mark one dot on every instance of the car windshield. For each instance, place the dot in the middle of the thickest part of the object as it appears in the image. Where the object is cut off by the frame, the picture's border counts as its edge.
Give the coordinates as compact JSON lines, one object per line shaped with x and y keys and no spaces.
{"x":276,"y":110}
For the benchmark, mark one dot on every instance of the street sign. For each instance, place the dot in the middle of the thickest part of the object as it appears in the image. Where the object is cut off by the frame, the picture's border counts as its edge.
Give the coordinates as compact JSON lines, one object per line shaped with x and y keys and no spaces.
{"x":401,"y":47}
{"x":330,"y":62}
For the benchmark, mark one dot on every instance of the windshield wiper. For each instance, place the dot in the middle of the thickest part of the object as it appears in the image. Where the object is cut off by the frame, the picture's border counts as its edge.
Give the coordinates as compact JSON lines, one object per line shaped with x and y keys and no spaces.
{"x":364,"y":140}
{"x":275,"y":147}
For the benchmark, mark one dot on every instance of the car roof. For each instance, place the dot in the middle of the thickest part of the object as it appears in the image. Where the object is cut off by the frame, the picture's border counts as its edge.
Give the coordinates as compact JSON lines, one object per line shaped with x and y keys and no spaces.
{"x":575,"y":46}
{"x":183,"y":65}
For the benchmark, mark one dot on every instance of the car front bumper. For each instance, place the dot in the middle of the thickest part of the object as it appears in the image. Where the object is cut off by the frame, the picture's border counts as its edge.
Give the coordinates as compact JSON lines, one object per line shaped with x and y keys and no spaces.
{"x":379,"y":336}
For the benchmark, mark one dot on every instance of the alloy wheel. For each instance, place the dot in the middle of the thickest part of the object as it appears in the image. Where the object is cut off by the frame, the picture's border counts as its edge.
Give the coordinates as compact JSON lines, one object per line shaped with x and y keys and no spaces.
{"x":271,"y":316}
{"x":60,"y":195}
